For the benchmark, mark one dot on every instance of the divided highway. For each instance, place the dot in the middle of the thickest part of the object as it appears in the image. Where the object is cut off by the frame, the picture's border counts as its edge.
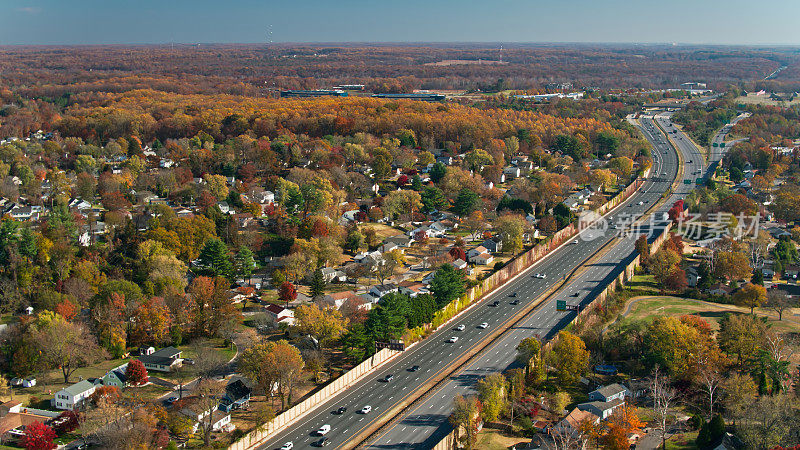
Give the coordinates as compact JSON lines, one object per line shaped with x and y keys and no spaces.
{"x":426,"y":422}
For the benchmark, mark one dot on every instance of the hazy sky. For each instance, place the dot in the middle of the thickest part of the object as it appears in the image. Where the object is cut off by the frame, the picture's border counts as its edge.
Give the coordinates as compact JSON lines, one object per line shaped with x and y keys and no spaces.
{"x":161,"y":21}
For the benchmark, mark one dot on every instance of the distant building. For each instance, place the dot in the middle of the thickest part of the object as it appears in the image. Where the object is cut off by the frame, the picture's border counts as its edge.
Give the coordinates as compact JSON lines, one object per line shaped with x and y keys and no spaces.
{"x":427,"y":97}
{"x":314,"y":93}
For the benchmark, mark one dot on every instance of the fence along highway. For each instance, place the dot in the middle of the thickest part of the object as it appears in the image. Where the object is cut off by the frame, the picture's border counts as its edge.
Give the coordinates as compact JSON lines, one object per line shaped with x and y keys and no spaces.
{"x":419,"y":428}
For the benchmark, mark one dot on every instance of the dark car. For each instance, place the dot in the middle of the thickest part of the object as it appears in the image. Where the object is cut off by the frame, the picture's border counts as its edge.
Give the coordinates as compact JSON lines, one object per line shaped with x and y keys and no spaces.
{"x":513,"y":294}
{"x":576,"y":294}
{"x":413,"y":369}
{"x":388,"y":378}
{"x":341,"y":410}
{"x":515,"y":302}
{"x":496,"y":303}
{"x":188,"y":361}
{"x":322,"y":442}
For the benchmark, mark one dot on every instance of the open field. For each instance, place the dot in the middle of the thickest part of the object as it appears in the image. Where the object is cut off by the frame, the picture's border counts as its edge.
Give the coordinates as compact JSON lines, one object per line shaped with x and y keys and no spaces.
{"x":493,"y":439}
{"x":753,"y":99}
{"x":647,"y":307}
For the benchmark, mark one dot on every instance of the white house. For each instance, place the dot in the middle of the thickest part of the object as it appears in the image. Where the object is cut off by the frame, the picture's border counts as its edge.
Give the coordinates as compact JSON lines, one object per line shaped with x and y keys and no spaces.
{"x":218,"y":419}
{"x":382,"y":289}
{"x":482,"y":259}
{"x":73,"y":396}
{"x":279,"y":315}
{"x":473,"y":252}
{"x":601,"y":409}
{"x":511,"y":172}
{"x":162,"y":360}
{"x":608,"y":393}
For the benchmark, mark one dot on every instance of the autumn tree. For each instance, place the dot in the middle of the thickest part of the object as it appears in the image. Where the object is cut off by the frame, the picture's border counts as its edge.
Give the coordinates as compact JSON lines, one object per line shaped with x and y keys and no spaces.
{"x":136,"y":373}
{"x":465,"y":418}
{"x":569,"y":357}
{"x":493,"y":393}
{"x":287,"y":292}
{"x":731,"y":265}
{"x":741,"y":335}
{"x":643,"y":248}
{"x":273,"y":366}
{"x":622,"y":423}
{"x":662,"y":264}
{"x":65,"y":345}
{"x":38,"y":436}
{"x":325,"y":325}
{"x":511,"y":227}
{"x":779,"y":302}
{"x":751,"y":296}
{"x":210,"y":307}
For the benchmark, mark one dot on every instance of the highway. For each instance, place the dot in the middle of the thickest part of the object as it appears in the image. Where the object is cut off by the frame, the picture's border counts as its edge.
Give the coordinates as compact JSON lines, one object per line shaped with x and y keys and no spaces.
{"x":718,"y":151}
{"x":426,"y":422}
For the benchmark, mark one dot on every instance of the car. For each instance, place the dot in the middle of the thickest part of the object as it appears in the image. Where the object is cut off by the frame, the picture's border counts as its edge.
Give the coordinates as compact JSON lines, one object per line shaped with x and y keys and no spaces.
{"x":324,"y":442}
{"x":664,"y":173}
{"x":689,"y":162}
{"x":574,"y":242}
{"x":288,"y":446}
{"x":366,"y":409}
{"x":515,"y":302}
{"x":641,"y":203}
{"x":542,"y":276}
{"x":188,"y":361}
{"x":323,"y":430}
{"x":171,"y":400}
{"x":576,"y":294}
{"x":389,"y":377}
{"x":453,"y":340}
{"x":483,"y":326}
{"x":413,"y":369}
{"x":513,"y":294}
{"x":341,"y":410}
{"x":461,"y":327}
{"x":536,"y":275}
{"x":496,"y":303}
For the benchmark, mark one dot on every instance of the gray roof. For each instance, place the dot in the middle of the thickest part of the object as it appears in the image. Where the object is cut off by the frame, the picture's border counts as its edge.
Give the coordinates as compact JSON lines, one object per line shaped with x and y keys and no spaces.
{"x":79,"y":387}
{"x":611,"y":389}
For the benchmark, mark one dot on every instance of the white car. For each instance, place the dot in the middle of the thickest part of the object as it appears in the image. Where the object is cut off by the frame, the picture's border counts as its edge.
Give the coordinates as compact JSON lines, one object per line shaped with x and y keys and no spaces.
{"x":453,"y":340}
{"x":288,"y":446}
{"x":366,"y":409}
{"x":483,"y":326}
{"x":323,"y":430}
{"x":460,"y":327}
{"x":641,"y":203}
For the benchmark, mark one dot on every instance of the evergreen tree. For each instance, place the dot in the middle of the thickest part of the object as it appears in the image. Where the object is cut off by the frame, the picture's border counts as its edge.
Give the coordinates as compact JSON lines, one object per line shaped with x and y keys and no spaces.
{"x":244,"y":262}
{"x":466,"y":202}
{"x":447,"y":285}
{"x":214,"y":259}
{"x":317,"y":284}
{"x":438,"y":171}
{"x":416,"y":183}
{"x":28,"y":246}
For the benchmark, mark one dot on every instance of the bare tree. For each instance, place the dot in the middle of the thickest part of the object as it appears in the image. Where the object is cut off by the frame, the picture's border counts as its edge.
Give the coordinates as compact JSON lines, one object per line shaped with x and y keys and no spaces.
{"x":709,"y":380}
{"x":208,"y":393}
{"x":664,"y":398}
{"x":779,"y":302}
{"x":564,"y":437}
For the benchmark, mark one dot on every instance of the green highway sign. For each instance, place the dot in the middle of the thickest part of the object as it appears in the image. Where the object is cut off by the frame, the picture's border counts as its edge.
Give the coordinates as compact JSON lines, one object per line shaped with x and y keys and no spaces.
{"x":561,"y":305}
{"x":715,"y":144}
{"x":687,"y":181}
{"x":698,"y":181}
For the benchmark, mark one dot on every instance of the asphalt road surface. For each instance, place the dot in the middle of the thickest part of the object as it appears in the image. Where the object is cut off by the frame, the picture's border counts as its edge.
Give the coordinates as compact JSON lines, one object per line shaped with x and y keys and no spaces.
{"x":426,"y":422}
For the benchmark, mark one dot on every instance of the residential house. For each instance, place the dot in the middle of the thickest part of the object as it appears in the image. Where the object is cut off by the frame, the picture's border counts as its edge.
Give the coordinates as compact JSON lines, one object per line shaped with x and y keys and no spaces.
{"x":412,"y":288}
{"x":400,"y":240}
{"x":331,"y":275}
{"x":778,"y":233}
{"x":218,"y":419}
{"x":446,"y":160}
{"x":482,"y":259}
{"x":14,"y":418}
{"x":369,"y":259}
{"x":380,"y":290}
{"x":337,"y":299}
{"x":511,"y":172}
{"x":608,"y":393}
{"x":573,"y":421}
{"x":279,"y":314}
{"x":601,"y":409}
{"x":116,"y":377}
{"x":719,"y":289}
{"x":459,"y":264}
{"x":237,"y":395}
{"x":791,"y":271}
{"x":225,"y":208}
{"x":387,"y":247}
{"x":473,"y":252}
{"x":163,"y":360}
{"x":71,"y":397}
{"x":493,"y":245}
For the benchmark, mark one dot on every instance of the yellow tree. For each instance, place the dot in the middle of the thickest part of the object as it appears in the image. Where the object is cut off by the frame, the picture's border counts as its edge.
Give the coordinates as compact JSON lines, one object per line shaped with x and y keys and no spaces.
{"x":622,"y":423}
{"x":750,"y":296}
{"x":325,"y":325}
{"x":569,"y":356}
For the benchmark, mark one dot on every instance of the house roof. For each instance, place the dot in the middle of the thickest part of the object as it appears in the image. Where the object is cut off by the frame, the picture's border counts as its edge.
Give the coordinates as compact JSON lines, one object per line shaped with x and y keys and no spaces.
{"x":603,"y":406}
{"x":275,"y":309}
{"x":165,"y":356}
{"x":79,"y":388}
{"x":611,"y":389}
{"x":237,"y":390}
{"x":576,"y":417}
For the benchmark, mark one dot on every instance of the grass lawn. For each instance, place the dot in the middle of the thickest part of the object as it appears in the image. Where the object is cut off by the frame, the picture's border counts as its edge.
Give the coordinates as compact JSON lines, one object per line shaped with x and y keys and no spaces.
{"x":660,"y":306}
{"x":683,"y":441}
{"x":492,"y":439}
{"x":643,"y":283}
{"x":381,"y":231}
